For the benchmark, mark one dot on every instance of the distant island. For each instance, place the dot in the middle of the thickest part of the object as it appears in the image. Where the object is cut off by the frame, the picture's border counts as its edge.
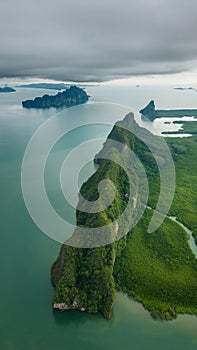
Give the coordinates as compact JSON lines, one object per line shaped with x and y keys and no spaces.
{"x":151,"y":113}
{"x":68,"y":98}
{"x":7,"y":89}
{"x":184,"y":88}
{"x":50,"y":86}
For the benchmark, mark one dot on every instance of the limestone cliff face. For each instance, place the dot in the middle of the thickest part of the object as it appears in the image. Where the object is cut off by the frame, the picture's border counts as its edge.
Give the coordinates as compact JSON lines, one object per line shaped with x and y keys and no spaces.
{"x":83,"y":278}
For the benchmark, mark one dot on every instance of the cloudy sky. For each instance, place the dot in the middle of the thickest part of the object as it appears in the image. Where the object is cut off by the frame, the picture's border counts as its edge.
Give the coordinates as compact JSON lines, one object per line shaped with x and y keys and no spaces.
{"x":91,"y":40}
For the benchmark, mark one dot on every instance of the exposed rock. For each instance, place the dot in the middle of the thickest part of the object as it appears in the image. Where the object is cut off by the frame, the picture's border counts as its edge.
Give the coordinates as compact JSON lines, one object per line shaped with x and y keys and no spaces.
{"x":60,"y":306}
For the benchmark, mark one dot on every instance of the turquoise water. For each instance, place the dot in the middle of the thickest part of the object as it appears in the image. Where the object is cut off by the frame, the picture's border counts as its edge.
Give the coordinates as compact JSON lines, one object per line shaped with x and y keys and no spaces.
{"x":27,"y":320}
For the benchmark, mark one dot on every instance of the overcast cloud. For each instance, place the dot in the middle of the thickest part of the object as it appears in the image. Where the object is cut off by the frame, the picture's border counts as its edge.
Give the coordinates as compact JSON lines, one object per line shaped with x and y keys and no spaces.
{"x":88,"y":40}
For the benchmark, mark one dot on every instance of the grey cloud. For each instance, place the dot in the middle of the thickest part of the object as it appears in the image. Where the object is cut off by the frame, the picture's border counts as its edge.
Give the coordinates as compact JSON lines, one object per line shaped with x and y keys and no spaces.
{"x":87,"y":40}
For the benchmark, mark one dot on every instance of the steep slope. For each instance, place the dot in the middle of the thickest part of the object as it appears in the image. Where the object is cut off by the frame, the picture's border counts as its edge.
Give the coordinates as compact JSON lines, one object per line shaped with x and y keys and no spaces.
{"x":83,"y":278}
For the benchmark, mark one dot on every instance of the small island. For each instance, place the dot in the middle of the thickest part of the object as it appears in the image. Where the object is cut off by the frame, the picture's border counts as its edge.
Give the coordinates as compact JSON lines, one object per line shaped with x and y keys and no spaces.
{"x":184,"y":88}
{"x":68,"y":98}
{"x":7,"y":89}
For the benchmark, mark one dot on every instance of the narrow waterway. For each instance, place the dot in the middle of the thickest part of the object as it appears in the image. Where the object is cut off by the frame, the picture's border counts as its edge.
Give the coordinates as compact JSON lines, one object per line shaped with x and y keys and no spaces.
{"x":191,"y":240}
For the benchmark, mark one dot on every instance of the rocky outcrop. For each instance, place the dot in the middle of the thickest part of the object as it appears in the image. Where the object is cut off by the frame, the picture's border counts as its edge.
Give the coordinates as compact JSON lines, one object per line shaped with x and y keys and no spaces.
{"x":149,"y":112}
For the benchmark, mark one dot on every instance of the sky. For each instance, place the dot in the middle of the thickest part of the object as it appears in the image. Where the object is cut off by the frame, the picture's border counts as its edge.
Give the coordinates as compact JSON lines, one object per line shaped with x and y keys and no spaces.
{"x":99,"y":41}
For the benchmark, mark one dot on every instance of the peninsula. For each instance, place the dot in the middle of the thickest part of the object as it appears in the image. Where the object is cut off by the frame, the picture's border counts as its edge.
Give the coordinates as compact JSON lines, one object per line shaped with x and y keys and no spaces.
{"x":68,"y":98}
{"x":151,"y":113}
{"x":157,"y":269}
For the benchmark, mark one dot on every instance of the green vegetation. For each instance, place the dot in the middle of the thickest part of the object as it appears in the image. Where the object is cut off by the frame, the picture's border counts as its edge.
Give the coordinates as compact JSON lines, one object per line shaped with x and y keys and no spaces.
{"x":151,"y":113}
{"x":188,"y":127}
{"x":184,"y":206}
{"x":83,"y":279}
{"x":157,"y":269}
{"x":67,"y":98}
{"x":177,"y":113}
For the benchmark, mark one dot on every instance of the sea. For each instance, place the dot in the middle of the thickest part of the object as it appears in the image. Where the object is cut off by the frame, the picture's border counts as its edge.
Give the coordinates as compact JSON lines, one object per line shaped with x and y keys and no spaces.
{"x":27,"y":249}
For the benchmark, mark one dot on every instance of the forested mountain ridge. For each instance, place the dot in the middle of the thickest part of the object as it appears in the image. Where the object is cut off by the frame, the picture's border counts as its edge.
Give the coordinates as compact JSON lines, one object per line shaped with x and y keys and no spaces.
{"x":158,"y":269}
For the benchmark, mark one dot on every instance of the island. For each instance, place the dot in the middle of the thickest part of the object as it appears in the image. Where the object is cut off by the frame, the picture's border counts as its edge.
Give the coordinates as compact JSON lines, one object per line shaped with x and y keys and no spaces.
{"x":68,"y":98}
{"x":52,"y":86}
{"x":184,"y":88}
{"x":158,"y":269}
{"x":47,"y":86}
{"x":7,"y":89}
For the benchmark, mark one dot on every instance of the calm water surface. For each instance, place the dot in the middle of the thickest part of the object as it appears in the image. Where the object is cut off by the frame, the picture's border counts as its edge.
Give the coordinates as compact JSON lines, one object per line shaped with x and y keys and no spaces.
{"x":26,"y":254}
